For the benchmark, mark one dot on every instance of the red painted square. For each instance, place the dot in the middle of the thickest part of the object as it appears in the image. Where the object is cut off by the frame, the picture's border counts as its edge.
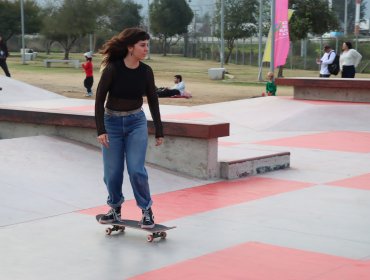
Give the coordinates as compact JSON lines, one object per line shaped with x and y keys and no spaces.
{"x":188,"y":116}
{"x":228,"y":144}
{"x":359,"y":182}
{"x":344,"y":141}
{"x":357,"y":271}
{"x":257,"y":261}
{"x":187,"y":202}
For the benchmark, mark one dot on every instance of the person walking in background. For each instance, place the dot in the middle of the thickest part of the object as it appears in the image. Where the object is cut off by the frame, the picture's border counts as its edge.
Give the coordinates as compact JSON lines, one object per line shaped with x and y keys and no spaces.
{"x":89,"y":71}
{"x":122,"y":125}
{"x":349,"y":60}
{"x":3,"y":56}
{"x":270,"y":85}
{"x":326,"y":59}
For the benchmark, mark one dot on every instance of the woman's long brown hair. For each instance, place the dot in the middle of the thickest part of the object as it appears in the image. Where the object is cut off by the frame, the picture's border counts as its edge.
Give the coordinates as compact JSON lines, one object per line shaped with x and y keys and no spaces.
{"x":116,"y":48}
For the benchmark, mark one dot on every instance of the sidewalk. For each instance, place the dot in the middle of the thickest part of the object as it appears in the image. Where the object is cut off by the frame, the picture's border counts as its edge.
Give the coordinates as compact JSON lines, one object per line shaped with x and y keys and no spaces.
{"x":310,"y":221}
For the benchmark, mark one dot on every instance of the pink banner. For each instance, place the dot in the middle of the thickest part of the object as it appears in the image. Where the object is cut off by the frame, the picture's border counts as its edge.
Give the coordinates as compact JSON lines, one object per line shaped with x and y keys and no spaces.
{"x":281,"y":32}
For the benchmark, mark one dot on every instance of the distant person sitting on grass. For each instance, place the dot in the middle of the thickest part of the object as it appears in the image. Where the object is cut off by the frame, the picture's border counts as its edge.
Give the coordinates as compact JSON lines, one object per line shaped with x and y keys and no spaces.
{"x":88,"y":68}
{"x":178,"y":90}
{"x":270,"y":85}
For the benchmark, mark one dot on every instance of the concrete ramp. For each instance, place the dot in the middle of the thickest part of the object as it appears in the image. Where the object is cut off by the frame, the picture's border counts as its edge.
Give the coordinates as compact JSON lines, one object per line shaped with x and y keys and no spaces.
{"x":20,"y":94}
{"x":16,"y":91}
{"x":313,"y":217}
{"x":46,"y":176}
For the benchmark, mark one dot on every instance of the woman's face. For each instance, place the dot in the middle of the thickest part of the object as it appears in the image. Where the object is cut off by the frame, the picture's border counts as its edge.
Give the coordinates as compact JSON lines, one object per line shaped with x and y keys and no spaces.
{"x":140,"y":49}
{"x":344,"y":47}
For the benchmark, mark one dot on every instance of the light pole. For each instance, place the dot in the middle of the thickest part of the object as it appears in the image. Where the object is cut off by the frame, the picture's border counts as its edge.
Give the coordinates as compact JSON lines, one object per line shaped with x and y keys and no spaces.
{"x":345,"y":17}
{"x":222,"y":53}
{"x":273,"y":9}
{"x":22,"y":26}
{"x":357,"y":20}
{"x":148,"y":57}
{"x":260,"y":42}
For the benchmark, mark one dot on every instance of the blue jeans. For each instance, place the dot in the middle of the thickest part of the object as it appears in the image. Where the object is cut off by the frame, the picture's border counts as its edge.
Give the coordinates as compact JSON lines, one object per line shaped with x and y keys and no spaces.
{"x":128,"y":139}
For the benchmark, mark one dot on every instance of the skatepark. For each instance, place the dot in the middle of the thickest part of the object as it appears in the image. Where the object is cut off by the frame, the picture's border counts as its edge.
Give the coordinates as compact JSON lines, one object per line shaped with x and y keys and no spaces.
{"x":308,"y":221}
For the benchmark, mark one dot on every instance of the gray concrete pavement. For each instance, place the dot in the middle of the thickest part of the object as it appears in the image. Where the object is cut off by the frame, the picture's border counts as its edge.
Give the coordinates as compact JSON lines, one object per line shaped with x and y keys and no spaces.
{"x":307,"y":222}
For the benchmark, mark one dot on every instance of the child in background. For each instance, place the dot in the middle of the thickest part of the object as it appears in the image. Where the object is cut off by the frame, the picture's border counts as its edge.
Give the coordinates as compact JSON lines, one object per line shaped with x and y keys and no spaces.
{"x":270,"y":85}
{"x":88,"y":68}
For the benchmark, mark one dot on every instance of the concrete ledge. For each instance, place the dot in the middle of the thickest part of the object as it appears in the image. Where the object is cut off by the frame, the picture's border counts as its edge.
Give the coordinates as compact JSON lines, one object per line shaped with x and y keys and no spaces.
{"x":332,"y":89}
{"x":254,"y":165}
{"x":190,"y":148}
{"x":46,"y":117}
{"x":74,"y":62}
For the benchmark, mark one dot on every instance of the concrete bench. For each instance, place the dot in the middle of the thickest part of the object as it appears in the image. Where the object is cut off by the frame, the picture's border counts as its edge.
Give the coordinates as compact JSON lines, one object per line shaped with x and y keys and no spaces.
{"x":331,"y":89}
{"x":74,"y":62}
{"x":190,"y":148}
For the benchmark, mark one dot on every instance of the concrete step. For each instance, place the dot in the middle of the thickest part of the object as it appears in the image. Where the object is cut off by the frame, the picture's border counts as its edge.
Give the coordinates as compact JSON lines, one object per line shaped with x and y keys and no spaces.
{"x":234,"y":169}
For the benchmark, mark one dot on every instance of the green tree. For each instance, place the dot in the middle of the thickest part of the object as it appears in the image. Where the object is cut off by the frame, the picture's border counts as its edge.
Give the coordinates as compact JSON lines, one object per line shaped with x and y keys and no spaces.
{"x":10,"y":18}
{"x":122,"y":14}
{"x":311,"y":17}
{"x":169,"y":18}
{"x":69,"y":22}
{"x":240,"y":21}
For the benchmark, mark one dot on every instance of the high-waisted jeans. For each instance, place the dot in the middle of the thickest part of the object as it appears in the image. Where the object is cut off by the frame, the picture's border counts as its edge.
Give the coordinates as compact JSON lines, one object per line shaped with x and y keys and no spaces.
{"x":128,"y":139}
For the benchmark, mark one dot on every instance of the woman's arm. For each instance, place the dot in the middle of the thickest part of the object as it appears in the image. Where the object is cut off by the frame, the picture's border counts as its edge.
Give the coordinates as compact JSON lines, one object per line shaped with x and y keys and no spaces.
{"x":153,"y":103}
{"x":101,"y":95}
{"x":356,"y":57}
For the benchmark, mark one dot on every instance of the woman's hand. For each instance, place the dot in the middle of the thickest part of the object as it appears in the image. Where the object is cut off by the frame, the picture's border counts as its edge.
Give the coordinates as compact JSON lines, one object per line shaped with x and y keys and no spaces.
{"x":159,"y":141}
{"x":103,"y":140}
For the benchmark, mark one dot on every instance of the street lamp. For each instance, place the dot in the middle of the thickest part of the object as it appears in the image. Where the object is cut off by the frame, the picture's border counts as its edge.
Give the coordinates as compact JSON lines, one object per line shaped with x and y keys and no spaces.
{"x":222,"y":53}
{"x":148,"y":57}
{"x":272,"y":59}
{"x":357,"y":20}
{"x":260,"y":42}
{"x":22,"y":25}
{"x":345,"y":17}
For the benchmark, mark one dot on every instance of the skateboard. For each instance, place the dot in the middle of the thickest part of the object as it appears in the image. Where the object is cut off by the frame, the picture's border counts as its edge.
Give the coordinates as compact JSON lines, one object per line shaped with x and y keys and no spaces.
{"x":159,"y":231}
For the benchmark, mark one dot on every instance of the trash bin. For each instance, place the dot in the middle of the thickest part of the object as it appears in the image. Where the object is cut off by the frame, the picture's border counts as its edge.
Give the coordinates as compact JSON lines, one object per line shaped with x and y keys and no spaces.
{"x":216,"y":73}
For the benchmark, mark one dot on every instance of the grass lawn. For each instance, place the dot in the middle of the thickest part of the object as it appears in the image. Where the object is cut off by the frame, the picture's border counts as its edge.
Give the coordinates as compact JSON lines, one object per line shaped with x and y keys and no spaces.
{"x":240,"y":83}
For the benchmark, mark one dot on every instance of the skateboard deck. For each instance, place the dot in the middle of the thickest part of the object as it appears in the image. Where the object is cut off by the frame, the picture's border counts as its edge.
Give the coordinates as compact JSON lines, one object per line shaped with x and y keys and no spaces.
{"x":158,"y":231}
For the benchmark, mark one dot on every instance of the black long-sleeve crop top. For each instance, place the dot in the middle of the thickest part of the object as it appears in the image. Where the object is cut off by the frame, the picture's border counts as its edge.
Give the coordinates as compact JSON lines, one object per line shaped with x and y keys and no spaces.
{"x":125,"y":88}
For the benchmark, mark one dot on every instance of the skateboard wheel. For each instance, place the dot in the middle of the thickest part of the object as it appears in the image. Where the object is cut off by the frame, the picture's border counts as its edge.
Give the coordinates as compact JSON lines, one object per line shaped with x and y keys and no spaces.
{"x":150,"y":238}
{"x":108,"y":231}
{"x":163,"y":235}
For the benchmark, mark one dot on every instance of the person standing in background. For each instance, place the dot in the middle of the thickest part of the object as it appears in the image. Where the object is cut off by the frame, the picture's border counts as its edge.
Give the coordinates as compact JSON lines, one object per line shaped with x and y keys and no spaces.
{"x":349,"y":60}
{"x":89,"y":71}
{"x":326,"y":59}
{"x":3,"y":56}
